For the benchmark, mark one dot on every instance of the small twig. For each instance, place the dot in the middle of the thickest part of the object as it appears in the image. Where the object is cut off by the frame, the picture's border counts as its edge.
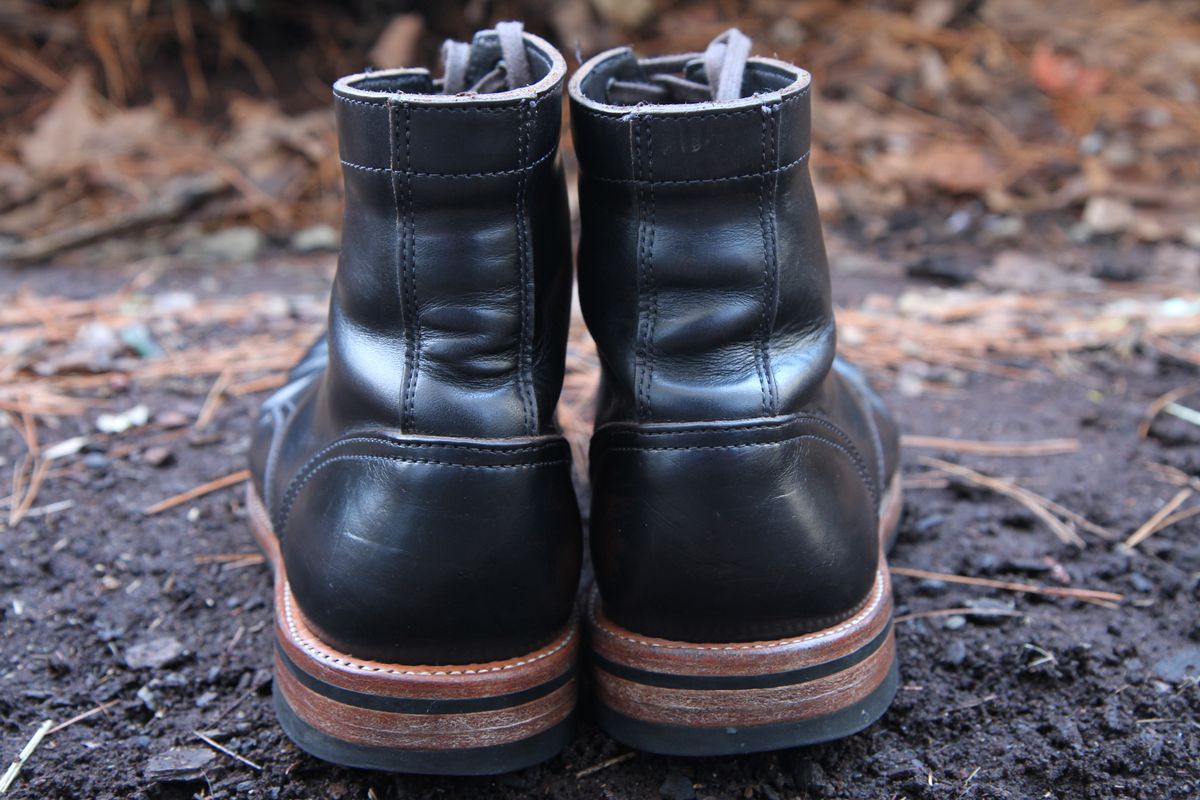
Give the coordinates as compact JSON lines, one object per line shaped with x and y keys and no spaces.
{"x":240,"y":476}
{"x":1026,"y":588}
{"x":257,"y":385}
{"x":187,"y":196}
{"x":227,"y":558}
{"x":1154,"y":524}
{"x":222,"y":749}
{"x":81,"y":717}
{"x":1031,"y":500}
{"x":1044,"y":447}
{"x":611,"y":762}
{"x":213,"y":400}
{"x":14,"y":769}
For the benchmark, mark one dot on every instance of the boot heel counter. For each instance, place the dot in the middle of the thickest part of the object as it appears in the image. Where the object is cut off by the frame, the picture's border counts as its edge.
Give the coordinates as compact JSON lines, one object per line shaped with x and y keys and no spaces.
{"x":733,"y":532}
{"x":426,"y":552}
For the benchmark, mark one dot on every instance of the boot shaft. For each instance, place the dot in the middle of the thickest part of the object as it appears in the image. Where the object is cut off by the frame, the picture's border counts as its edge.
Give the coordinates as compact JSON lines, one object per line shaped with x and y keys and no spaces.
{"x":702,"y":269}
{"x":451,"y":301}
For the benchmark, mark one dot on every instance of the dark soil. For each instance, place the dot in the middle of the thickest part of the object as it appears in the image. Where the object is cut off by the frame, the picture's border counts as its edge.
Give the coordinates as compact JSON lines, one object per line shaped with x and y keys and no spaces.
{"x":1066,"y":700}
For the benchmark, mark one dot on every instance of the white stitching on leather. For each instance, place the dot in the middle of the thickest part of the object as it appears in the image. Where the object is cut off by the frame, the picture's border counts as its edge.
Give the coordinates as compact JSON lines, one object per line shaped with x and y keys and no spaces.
{"x":871,"y":607}
{"x":544,"y":156}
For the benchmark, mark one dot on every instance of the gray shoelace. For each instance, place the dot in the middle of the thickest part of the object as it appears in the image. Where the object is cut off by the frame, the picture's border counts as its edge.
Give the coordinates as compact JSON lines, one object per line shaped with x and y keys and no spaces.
{"x":724,"y":63}
{"x":510,"y":72}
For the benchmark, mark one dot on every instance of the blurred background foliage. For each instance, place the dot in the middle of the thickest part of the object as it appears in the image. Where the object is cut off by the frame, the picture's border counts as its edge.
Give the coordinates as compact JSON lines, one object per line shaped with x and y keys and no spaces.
{"x":997,"y":119}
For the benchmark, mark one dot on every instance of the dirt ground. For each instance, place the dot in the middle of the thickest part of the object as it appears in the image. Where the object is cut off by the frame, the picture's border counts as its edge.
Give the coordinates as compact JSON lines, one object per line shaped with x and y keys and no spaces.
{"x":164,"y":619}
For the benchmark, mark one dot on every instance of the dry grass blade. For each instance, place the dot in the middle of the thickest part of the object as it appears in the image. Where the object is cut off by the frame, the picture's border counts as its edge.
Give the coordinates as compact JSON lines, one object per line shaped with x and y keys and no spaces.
{"x":227,"y":558}
{"x":37,"y":478}
{"x":1157,"y":520}
{"x":609,"y":762}
{"x":1160,"y":403}
{"x":14,"y":769}
{"x":1025,"y":588}
{"x":1188,"y":415}
{"x":241,"y":476}
{"x":1173,"y":475}
{"x":961,"y":612}
{"x":1044,"y":447}
{"x":1036,"y":504}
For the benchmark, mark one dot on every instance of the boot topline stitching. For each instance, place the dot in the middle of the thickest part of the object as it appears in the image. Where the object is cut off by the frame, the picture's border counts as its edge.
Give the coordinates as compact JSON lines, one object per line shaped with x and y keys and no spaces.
{"x":544,"y":156}
{"x":439,"y":108}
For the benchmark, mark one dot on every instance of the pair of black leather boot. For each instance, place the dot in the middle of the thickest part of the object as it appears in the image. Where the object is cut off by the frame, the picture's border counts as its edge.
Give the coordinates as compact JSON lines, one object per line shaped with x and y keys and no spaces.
{"x":414,"y":494}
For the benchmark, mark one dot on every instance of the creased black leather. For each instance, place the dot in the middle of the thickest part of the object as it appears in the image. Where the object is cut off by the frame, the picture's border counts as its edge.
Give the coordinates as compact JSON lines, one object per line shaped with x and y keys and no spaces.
{"x":411,"y":466}
{"x":737,"y":468}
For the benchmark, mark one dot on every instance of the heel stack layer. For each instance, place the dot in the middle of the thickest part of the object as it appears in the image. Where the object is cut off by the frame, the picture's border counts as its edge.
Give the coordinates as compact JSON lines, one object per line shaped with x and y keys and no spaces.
{"x":688,"y":698}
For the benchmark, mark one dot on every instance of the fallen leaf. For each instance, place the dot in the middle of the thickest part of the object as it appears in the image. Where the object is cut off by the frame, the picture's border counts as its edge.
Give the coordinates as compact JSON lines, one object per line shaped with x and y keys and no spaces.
{"x":58,"y":137}
{"x":958,"y":167}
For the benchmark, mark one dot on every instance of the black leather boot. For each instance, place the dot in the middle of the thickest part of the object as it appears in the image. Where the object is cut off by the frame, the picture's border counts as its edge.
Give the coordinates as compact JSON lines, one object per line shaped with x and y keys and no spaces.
{"x":409,"y":484}
{"x":742,"y":475}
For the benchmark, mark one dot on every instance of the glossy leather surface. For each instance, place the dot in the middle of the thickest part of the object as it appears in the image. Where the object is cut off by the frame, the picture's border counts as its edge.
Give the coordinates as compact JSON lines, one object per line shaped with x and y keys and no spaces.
{"x":411,"y":465}
{"x":737,"y":466}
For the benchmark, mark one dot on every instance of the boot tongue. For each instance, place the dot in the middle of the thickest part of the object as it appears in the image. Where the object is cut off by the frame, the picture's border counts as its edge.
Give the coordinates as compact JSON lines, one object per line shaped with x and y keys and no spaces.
{"x":716,"y":76}
{"x":488,"y":64}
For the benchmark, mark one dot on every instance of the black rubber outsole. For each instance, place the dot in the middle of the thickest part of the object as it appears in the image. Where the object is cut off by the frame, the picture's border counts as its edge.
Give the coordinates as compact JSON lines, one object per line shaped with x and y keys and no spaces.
{"x":675,"y":740}
{"x":491,"y":760}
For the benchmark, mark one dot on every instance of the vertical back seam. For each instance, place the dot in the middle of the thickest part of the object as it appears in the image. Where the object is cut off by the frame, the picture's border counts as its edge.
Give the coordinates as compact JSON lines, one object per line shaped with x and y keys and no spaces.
{"x":758,"y":347}
{"x":401,"y":254}
{"x":412,"y":321}
{"x":524,"y":339}
{"x":770,"y":251}
{"x":653,"y":321}
{"x":639,"y":350}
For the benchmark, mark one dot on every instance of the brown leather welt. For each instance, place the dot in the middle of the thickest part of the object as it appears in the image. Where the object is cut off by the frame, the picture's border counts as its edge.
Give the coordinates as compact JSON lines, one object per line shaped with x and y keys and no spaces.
{"x":424,"y":731}
{"x":709,"y":708}
{"x":316,"y":658}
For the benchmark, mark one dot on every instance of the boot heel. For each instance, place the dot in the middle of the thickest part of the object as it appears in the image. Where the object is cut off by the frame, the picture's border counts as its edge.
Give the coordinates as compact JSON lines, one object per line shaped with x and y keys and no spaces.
{"x":470,"y":719}
{"x":681,"y":698}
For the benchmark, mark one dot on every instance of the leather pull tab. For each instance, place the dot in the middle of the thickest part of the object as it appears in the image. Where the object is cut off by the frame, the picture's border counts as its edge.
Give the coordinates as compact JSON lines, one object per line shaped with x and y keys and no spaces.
{"x":455,"y":57}
{"x":516,"y":59}
{"x":725,"y":64}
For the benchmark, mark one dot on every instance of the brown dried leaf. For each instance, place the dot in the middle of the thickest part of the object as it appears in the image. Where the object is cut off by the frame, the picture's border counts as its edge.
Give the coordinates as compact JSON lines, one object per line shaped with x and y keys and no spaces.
{"x":954,"y":166}
{"x":57,"y":141}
